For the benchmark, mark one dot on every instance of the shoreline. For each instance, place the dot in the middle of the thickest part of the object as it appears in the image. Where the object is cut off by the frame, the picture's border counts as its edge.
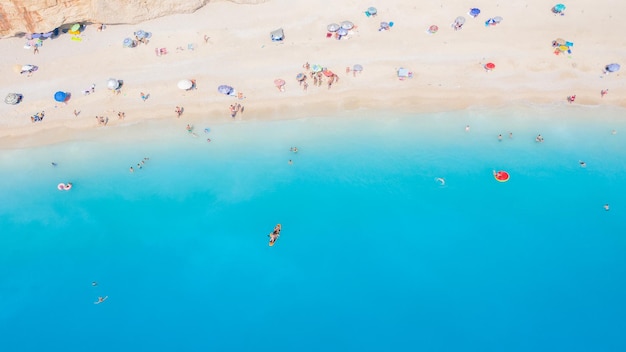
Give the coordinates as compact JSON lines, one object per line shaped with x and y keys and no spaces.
{"x":447,"y":67}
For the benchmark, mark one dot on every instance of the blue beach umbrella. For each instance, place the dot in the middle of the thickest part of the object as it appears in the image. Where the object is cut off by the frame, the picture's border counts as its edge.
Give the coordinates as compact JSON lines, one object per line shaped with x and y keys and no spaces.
{"x":333,"y":27}
{"x":60,"y":96}
{"x":559,"y":7}
{"x":372,"y":10}
{"x":474,"y":12}
{"x":612,"y":67}
{"x":224,"y":89}
{"x":342,"y":31}
{"x":140,"y":34}
{"x":128,"y":43}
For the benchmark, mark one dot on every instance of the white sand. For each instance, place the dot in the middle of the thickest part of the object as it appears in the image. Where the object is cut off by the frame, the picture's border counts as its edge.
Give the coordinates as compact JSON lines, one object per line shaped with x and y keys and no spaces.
{"x":447,"y":66}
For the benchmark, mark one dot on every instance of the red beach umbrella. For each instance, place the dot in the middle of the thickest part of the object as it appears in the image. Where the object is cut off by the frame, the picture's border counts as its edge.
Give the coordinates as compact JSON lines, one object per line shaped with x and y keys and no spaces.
{"x":328,"y":73}
{"x":490,"y":66}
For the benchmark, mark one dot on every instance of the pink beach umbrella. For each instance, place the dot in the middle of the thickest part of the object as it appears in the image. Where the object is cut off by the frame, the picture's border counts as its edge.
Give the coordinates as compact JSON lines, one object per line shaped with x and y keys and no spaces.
{"x":433,"y":29}
{"x":279,"y":82}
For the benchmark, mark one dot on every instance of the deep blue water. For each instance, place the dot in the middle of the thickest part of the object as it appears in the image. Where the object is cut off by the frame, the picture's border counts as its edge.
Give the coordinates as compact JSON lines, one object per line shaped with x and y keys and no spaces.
{"x":375,"y":255}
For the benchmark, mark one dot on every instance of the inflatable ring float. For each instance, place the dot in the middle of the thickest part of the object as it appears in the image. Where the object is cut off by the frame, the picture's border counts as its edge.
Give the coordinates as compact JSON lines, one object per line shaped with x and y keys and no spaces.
{"x":501,"y":176}
{"x":64,"y":186}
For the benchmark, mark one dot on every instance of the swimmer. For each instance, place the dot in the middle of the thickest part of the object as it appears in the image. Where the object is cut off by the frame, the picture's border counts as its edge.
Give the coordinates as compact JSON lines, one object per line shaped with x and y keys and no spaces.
{"x":467,"y":128}
{"x":131,"y":169}
{"x":539,"y":138}
{"x":582,"y":163}
{"x":208,"y":140}
{"x":499,"y":137}
{"x":290,"y":162}
{"x":510,"y":135}
{"x":606,"y":207}
{"x":441,"y":181}
{"x":294,"y":149}
{"x":93,"y":283}
{"x":101,"y":299}
{"x":54,"y":164}
{"x":614,"y":132}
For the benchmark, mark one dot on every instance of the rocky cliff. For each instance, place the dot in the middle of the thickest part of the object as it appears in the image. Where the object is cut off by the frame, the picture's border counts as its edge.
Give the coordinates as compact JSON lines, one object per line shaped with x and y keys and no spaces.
{"x":36,"y":16}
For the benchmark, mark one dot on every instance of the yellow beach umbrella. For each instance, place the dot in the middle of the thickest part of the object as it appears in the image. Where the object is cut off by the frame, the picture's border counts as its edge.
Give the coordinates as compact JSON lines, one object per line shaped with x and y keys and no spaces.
{"x":564,"y":48}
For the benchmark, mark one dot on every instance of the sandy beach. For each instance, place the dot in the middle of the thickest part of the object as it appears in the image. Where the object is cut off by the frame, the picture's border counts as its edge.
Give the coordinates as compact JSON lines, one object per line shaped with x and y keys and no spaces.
{"x":447,"y":66}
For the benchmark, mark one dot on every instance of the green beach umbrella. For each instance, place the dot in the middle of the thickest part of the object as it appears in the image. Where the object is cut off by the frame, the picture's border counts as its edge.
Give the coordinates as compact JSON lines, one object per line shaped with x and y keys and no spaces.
{"x":75,"y":27}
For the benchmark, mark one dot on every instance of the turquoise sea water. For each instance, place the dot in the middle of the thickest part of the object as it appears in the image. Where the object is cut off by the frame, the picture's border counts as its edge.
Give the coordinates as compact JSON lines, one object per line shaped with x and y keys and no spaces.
{"x":375,"y":255}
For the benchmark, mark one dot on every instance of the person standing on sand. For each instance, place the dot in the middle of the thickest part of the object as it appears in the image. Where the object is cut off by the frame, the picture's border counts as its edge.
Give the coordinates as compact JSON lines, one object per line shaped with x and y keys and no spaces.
{"x":76,"y":113}
{"x":603,"y":93}
{"x":36,"y":50}
{"x":144,"y":96}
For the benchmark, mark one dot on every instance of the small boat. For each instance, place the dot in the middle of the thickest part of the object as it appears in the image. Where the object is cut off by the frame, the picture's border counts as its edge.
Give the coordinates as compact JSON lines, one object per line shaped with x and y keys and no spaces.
{"x":274,"y":234}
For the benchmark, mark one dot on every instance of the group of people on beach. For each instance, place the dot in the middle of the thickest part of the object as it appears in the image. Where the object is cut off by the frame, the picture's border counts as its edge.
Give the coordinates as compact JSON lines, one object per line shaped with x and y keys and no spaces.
{"x":235,"y":109}
{"x":102,"y":121}
{"x":317,"y":77}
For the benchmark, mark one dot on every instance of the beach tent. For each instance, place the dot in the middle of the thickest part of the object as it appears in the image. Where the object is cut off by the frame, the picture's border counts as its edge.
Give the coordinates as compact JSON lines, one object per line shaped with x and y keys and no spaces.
{"x":333,"y":27}
{"x":474,"y":12}
{"x":403,"y":72}
{"x":60,"y":96}
{"x":113,"y":84}
{"x":612,"y":68}
{"x":347,"y":25}
{"x":224,"y":89}
{"x":277,"y":35}
{"x":13,"y":98}
{"x":185,"y":84}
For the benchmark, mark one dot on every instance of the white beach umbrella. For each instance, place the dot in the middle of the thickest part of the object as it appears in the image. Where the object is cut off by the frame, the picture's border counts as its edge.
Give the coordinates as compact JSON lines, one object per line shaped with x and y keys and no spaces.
{"x":185,"y":84}
{"x":113,"y":84}
{"x":347,"y":25}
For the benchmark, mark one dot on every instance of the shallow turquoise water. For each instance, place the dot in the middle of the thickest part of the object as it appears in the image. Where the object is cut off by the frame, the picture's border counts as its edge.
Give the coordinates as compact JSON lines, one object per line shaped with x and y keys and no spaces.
{"x":375,"y":255}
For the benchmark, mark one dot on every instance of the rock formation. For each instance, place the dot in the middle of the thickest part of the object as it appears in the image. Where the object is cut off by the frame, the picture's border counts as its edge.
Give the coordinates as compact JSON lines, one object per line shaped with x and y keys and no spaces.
{"x":37,"y":16}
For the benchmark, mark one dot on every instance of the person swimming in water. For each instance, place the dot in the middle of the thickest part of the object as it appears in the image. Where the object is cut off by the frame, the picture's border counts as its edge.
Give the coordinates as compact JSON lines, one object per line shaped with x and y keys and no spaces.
{"x":101,"y":299}
{"x":275,"y":233}
{"x":441,"y":181}
{"x":582,"y":163}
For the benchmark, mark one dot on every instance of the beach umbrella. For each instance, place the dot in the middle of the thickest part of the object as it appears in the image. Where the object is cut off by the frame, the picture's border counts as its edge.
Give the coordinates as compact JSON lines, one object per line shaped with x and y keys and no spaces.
{"x":474,"y":12}
{"x":372,"y":10}
{"x":224,"y":89}
{"x":279,"y":82}
{"x":357,"y":67}
{"x":13,"y":98}
{"x":342,"y":31}
{"x":48,"y":34}
{"x":36,"y":35}
{"x":300,"y":76}
{"x":185,"y":84}
{"x":612,"y":67}
{"x":113,"y":84}
{"x":128,"y":43}
{"x":560,"y":41}
{"x":490,"y":66}
{"x":333,"y":27}
{"x":328,"y":73}
{"x":384,"y":25}
{"x":316,"y":68}
{"x":433,"y":29}
{"x":497,"y":19}
{"x":75,"y":27}
{"x":28,"y":67}
{"x":140,"y":34}
{"x":347,"y":25}
{"x":559,"y":8}
{"x":459,"y":20}
{"x":60,"y":96}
